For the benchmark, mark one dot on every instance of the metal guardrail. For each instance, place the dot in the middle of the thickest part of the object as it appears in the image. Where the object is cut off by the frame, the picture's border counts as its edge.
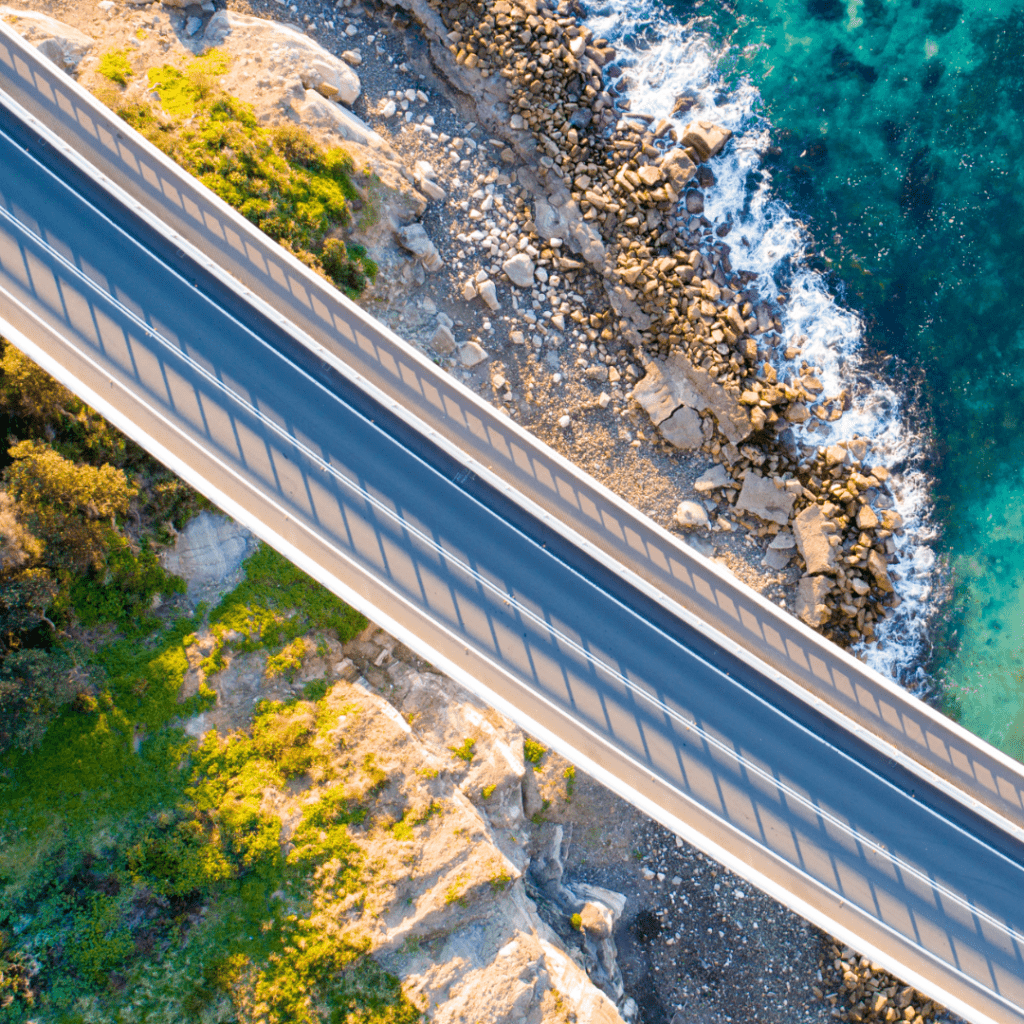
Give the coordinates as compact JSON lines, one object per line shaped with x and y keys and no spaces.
{"x":499,"y":448}
{"x":533,"y":476}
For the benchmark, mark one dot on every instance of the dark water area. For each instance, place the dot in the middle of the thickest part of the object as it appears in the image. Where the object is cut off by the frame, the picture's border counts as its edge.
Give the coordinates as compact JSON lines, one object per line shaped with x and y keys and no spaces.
{"x":896,"y":134}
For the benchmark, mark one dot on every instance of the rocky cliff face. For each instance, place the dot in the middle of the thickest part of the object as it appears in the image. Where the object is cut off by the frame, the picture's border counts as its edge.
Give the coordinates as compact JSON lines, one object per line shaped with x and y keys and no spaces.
{"x":454,"y":853}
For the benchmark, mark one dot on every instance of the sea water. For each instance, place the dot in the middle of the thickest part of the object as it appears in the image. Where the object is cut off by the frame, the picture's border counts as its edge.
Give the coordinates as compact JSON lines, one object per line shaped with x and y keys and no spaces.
{"x":875,"y":183}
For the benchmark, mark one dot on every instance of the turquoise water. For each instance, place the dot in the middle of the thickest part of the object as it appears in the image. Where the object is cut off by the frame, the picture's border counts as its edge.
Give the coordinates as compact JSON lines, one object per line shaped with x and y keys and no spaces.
{"x":882,"y":147}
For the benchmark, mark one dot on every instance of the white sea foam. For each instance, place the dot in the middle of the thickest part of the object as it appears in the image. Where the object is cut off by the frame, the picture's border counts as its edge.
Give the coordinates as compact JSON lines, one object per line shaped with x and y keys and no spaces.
{"x":662,"y":59}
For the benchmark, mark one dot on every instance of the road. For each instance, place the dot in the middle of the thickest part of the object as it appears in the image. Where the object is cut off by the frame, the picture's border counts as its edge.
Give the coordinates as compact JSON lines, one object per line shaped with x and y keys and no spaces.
{"x":500,"y":451}
{"x":712,"y":742}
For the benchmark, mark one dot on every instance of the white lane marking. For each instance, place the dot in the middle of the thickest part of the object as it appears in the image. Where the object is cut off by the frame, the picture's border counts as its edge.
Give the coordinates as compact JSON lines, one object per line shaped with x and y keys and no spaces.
{"x":657,"y":811}
{"x":965,"y":739}
{"x":702,"y":626}
{"x":554,"y":633}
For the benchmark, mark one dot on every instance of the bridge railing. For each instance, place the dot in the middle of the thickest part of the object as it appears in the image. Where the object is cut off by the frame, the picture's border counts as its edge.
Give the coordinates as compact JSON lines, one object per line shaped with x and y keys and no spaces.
{"x":499,"y":450}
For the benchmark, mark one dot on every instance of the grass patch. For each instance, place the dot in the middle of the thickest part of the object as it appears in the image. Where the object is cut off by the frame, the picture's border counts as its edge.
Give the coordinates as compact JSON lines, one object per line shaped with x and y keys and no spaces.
{"x":577,"y":922}
{"x":315,"y":690}
{"x":181,"y":91}
{"x":500,"y":881}
{"x":281,"y":179}
{"x":114,"y":65}
{"x":570,"y":782}
{"x":272,"y":608}
{"x":465,"y":751}
{"x":488,"y":791}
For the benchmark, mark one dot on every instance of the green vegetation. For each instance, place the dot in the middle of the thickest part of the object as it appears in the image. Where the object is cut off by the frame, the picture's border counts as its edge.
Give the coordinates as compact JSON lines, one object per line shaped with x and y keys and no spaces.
{"x":272,"y":608}
{"x":143,"y":875}
{"x":465,"y":750}
{"x":500,"y":881}
{"x":455,"y":893}
{"x":570,"y":782}
{"x":181,"y":91}
{"x":488,"y":791}
{"x":81,"y":508}
{"x":114,"y":64}
{"x":103,"y":882}
{"x":534,"y":753}
{"x":281,"y":179}
{"x":577,"y":922}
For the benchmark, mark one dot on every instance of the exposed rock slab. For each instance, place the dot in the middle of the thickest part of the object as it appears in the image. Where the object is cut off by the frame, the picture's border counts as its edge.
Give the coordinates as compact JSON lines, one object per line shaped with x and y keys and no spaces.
{"x":60,"y":43}
{"x":210,"y":550}
{"x":812,"y":530}
{"x":760,"y":496}
{"x":285,"y":51}
{"x":673,"y":382}
{"x":810,"y":599}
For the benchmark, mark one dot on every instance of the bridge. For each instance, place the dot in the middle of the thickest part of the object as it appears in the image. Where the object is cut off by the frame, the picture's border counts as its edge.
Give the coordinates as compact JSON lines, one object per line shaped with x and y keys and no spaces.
{"x":651,"y":668}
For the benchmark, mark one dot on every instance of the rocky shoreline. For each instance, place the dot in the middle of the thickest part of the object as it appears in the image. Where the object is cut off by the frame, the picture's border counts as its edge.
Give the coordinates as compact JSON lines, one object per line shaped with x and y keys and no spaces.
{"x":622,"y":200}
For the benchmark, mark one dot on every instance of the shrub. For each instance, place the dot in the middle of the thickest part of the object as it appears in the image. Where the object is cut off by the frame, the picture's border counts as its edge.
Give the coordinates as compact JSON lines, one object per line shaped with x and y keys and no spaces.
{"x":114,"y":64}
{"x":533,"y":752}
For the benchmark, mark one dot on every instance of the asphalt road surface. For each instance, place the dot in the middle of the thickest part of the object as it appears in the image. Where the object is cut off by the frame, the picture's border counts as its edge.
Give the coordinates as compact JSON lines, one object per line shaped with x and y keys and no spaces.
{"x":558,"y":630}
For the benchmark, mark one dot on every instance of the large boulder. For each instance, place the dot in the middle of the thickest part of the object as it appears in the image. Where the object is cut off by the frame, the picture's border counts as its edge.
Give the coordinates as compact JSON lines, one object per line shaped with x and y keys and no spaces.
{"x":316,"y":111}
{"x":690,"y":515}
{"x":761,"y":496}
{"x":713,"y":479}
{"x":682,"y":429}
{"x":678,"y":168}
{"x":60,"y":43}
{"x":415,"y":239}
{"x":705,"y":138}
{"x":810,"y":599}
{"x":812,"y":530}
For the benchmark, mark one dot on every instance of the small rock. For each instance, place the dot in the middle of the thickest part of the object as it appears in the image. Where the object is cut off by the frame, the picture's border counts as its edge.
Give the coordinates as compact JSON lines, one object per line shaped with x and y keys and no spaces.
{"x":520,"y":270}
{"x":835,"y":455}
{"x":713,"y":479}
{"x":487,"y":292}
{"x":694,"y":201}
{"x":564,"y":421}
{"x":469,"y":291}
{"x":472,"y":354}
{"x":866,"y":518}
{"x":443,"y":341}
{"x":353,"y":57}
{"x":389,"y":109}
{"x":193,"y":25}
{"x":880,"y":571}
{"x":604,"y":400}
{"x":776,"y":559}
{"x":690,"y":515}
{"x":432,"y":190}
{"x":783,"y":541}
